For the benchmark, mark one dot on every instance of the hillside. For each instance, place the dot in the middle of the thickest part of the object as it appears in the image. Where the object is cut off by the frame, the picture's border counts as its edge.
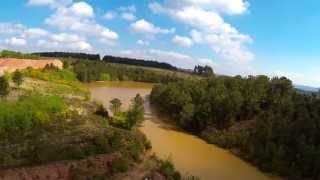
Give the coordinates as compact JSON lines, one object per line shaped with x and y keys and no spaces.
{"x":12,"y":64}
{"x":50,"y":129}
{"x":307,"y":88}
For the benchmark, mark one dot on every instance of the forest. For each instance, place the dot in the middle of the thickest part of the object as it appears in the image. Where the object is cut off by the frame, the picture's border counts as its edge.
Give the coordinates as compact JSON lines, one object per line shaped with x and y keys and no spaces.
{"x":138,"y":62}
{"x":108,"y":59}
{"x":86,"y":56}
{"x":88,"y":71}
{"x":263,"y":120}
{"x":18,"y":55}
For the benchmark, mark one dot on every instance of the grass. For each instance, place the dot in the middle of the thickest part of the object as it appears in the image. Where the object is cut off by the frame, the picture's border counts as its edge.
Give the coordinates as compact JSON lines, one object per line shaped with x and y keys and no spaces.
{"x":53,"y":81}
{"x":17,"y":117}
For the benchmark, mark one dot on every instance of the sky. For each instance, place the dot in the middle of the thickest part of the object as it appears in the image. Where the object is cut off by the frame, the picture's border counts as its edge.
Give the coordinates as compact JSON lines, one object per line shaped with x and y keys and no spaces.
{"x":246,"y":37}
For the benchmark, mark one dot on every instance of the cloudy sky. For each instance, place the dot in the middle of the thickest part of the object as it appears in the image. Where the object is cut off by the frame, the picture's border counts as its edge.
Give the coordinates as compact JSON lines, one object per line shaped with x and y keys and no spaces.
{"x":233,"y":36}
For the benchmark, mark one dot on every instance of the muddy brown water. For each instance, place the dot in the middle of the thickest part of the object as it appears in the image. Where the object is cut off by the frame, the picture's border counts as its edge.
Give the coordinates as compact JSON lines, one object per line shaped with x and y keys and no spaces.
{"x":190,"y":154}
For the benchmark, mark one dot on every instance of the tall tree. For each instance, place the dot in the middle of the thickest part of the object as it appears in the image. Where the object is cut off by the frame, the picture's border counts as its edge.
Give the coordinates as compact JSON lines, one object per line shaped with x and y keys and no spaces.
{"x":115,"y":105}
{"x":17,"y":78}
{"x":4,"y":86}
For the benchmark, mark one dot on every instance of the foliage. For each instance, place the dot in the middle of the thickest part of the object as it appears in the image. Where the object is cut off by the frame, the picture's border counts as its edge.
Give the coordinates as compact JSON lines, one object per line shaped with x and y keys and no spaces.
{"x":88,"y":71}
{"x":4,"y":86}
{"x":17,"y":77}
{"x":115,"y":105}
{"x":138,"y":62}
{"x":130,"y":118}
{"x":37,"y":130}
{"x":16,"y":118}
{"x":69,"y":55}
{"x":167,"y":169}
{"x":203,"y":71}
{"x":120,"y":165}
{"x":279,"y":130}
{"x":101,"y":110}
{"x":18,"y":55}
{"x":55,"y":75}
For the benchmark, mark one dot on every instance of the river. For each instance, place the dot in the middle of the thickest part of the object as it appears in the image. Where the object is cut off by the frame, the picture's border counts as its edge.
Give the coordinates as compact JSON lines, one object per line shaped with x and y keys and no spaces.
{"x":190,"y":154}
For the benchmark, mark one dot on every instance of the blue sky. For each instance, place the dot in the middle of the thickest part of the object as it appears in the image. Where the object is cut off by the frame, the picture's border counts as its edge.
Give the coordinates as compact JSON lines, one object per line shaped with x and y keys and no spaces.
{"x":277,"y":38}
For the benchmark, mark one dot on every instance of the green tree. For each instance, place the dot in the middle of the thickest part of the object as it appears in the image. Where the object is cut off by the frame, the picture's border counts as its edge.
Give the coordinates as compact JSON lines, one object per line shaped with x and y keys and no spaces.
{"x":115,"y":105}
{"x":4,"y":86}
{"x":17,"y":78}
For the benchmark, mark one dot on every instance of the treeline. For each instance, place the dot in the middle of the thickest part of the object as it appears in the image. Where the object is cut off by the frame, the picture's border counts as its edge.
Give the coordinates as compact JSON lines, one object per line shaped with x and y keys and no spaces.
{"x":88,"y":71}
{"x":203,"y":70}
{"x":86,"y":56}
{"x":18,"y":55}
{"x":139,"y":62}
{"x":266,"y":120}
{"x":109,"y":59}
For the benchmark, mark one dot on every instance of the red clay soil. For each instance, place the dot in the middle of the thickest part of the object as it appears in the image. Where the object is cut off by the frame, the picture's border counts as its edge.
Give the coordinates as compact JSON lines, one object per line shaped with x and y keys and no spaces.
{"x":11,"y":64}
{"x":64,"y":170}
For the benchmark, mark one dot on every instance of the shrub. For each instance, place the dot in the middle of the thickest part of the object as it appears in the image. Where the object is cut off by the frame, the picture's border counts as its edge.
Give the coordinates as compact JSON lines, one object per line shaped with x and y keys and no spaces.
{"x":29,"y":112}
{"x":17,"y":77}
{"x":168,"y":170}
{"x":4,"y":86}
{"x":120,"y":165}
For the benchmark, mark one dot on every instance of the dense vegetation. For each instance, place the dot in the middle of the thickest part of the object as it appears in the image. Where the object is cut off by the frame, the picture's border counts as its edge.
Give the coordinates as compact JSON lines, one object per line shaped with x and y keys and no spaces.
{"x":203,"y":70}
{"x":43,"y":119}
{"x":17,"y":117}
{"x":4,"y":86}
{"x":139,"y":62}
{"x":127,"y":119}
{"x":13,"y":54}
{"x":266,"y":120}
{"x":69,"y":55}
{"x":88,"y":71}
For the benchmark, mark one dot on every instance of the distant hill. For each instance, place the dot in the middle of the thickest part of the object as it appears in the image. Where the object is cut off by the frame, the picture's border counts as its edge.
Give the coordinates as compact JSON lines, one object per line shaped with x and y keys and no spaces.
{"x":307,"y":88}
{"x":69,"y":55}
{"x":107,"y":58}
{"x":139,"y":62}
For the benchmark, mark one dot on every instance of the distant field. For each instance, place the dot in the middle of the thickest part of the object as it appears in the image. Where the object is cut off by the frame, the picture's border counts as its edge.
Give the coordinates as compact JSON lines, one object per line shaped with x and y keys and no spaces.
{"x":12,"y":64}
{"x":164,"y":71}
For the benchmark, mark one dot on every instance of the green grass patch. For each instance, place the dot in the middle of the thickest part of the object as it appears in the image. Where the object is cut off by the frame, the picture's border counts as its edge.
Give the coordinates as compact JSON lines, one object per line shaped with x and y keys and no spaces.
{"x":17,"y":117}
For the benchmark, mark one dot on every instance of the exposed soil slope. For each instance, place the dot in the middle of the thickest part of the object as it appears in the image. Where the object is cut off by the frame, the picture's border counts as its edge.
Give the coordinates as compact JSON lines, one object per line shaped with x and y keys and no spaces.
{"x":12,"y":64}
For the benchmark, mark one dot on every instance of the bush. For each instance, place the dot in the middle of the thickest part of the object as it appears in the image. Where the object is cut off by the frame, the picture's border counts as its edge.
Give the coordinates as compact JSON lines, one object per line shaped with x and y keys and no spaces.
{"x":168,"y":170}
{"x":29,"y":112}
{"x":4,"y":86}
{"x":17,"y":77}
{"x":18,"y":55}
{"x":120,"y":165}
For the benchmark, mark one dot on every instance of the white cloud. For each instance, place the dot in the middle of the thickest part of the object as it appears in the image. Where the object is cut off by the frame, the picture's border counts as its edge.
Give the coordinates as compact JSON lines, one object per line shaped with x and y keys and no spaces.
{"x":14,"y":41}
{"x":82,"y":9}
{"x":142,"y":42}
{"x":128,"y":16}
{"x":143,"y":26}
{"x":80,"y":21}
{"x":182,"y":41}
{"x":208,"y":25}
{"x":51,"y":3}
{"x":65,"y":38}
{"x":131,"y":8}
{"x":62,"y":46}
{"x":174,"y":58}
{"x":35,"y":33}
{"x":109,"y":15}
{"x":11,"y":28}
{"x":64,"y":41}
{"x":196,"y":36}
{"x":231,"y":7}
{"x":40,"y":2}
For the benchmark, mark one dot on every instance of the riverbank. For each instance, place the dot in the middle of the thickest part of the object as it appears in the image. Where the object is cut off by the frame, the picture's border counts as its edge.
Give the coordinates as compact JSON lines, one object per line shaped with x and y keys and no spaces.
{"x":190,"y":154}
{"x":49,"y":128}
